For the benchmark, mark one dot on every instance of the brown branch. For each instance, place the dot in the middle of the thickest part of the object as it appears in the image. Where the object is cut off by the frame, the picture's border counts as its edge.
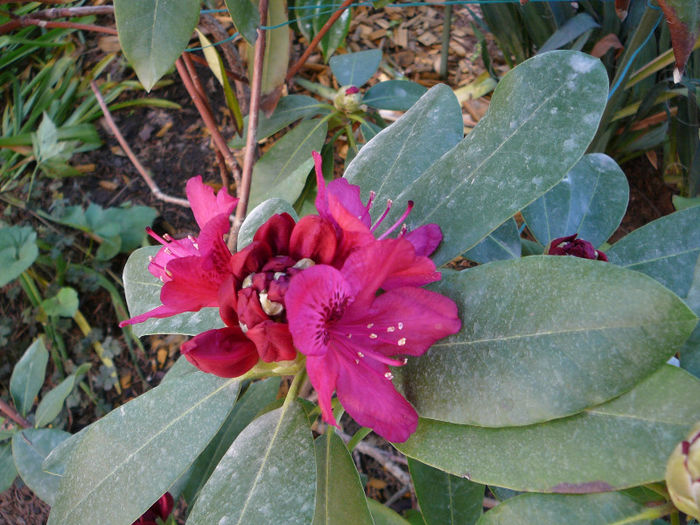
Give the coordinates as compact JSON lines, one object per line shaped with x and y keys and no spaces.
{"x":28,"y":21}
{"x":192,"y":71}
{"x":11,"y":413}
{"x":67,"y":12}
{"x":251,"y":140}
{"x":129,"y":153}
{"x":312,"y":46}
{"x":40,"y":1}
{"x":207,"y":117}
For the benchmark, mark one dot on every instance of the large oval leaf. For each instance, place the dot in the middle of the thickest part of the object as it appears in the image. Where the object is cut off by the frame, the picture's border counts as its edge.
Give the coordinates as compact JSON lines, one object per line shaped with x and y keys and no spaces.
{"x":590,"y":201}
{"x":267,"y":476}
{"x":154,"y":33}
{"x":246,"y":18}
{"x":400,"y":153}
{"x":502,"y":244}
{"x":29,"y":448}
{"x":8,"y":471}
{"x":446,"y":499}
{"x":552,"y":509}
{"x":544,"y":337}
{"x":394,"y":94}
{"x":667,"y":249}
{"x":128,"y":459}
{"x":28,"y":376}
{"x":340,"y":498}
{"x":542,"y":116}
{"x":623,"y":443}
{"x":283,"y":170}
{"x":355,"y":69}
{"x":142,"y":292}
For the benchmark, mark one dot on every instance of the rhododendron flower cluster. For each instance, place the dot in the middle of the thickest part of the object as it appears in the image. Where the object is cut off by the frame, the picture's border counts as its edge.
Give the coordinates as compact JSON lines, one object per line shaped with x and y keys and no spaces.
{"x":161,"y":509}
{"x":328,"y":286}
{"x":570,"y":245}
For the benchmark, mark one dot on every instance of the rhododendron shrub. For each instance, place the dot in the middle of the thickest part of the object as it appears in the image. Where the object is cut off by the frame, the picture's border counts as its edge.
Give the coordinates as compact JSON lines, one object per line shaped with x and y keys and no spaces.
{"x":426,"y":299}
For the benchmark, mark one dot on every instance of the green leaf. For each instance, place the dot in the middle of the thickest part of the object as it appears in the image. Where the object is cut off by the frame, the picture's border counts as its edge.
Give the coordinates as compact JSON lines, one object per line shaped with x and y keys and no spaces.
{"x":283,"y":170}
{"x":110,"y":247}
{"x":267,"y":476}
{"x":383,"y":515}
{"x":335,"y":36}
{"x":398,"y":155}
{"x":28,"y":376}
{"x":142,"y":292}
{"x":52,"y":403}
{"x":446,"y":499}
{"x":259,"y":216}
{"x":276,"y":59}
{"x":63,"y":304}
{"x":245,"y":17}
{"x":355,"y":69}
{"x":544,"y":337}
{"x":340,"y":498}
{"x":504,"y":243}
{"x":590,"y":201}
{"x":623,"y":443}
{"x":8,"y":472}
{"x":132,"y":221}
{"x":154,"y":33}
{"x":128,"y":459}
{"x":667,"y":249}
{"x":257,"y":396}
{"x":18,"y":251}
{"x":394,"y":94}
{"x":289,"y":109}
{"x":29,"y":448}
{"x":571,"y":30}
{"x":546,"y":509}
{"x":541,"y":118}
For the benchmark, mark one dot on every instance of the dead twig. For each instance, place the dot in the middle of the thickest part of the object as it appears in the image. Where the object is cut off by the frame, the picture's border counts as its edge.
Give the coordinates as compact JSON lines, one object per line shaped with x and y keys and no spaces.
{"x":312,"y":46}
{"x":386,"y":460}
{"x":67,"y":12}
{"x":249,"y":158}
{"x":11,"y":413}
{"x":202,"y":105}
{"x":29,"y":21}
{"x":129,"y":153}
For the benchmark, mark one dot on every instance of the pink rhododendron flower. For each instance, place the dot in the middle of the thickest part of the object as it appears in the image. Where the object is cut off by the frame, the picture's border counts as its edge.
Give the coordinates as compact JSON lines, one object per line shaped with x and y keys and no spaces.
{"x":193,"y":268}
{"x":160,"y":509}
{"x":251,"y":299}
{"x":351,"y":335}
{"x":575,"y":247}
{"x":340,"y":203}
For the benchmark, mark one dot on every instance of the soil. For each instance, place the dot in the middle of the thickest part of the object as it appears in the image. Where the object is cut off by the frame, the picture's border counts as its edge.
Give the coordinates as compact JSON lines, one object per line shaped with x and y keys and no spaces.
{"x":174,"y":145}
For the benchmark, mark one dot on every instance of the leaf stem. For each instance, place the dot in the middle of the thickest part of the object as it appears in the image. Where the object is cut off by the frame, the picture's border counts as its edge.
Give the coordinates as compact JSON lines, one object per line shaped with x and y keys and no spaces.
{"x":357,"y":437}
{"x":294,"y":387}
{"x":251,"y":138}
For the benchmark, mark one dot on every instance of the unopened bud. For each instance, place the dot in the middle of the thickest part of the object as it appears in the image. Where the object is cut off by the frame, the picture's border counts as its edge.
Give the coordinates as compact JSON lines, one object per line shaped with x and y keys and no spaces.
{"x":348,"y":99}
{"x":683,"y":474}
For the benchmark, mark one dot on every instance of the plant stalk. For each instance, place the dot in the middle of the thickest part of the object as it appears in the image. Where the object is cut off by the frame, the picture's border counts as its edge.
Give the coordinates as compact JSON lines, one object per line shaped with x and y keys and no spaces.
{"x":12,"y":414}
{"x":445,"y":50}
{"x":251,"y":139}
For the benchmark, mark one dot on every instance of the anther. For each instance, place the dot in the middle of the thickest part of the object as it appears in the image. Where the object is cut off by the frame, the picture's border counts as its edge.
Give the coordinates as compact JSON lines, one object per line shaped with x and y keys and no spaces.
{"x":370,"y":325}
{"x":168,"y":273}
{"x":405,"y":360}
{"x":168,"y":250}
{"x":277,"y":275}
{"x":389,"y":376}
{"x":244,"y":327}
{"x":167,"y":237}
{"x":150,"y":258}
{"x":357,"y":361}
{"x":398,"y":223}
{"x":372,"y":336}
{"x":390,"y":329}
{"x":248,"y":281}
{"x":303,"y":264}
{"x":376,"y":224}
{"x":360,"y":354}
{"x":271,"y":308}
{"x":401,"y":341}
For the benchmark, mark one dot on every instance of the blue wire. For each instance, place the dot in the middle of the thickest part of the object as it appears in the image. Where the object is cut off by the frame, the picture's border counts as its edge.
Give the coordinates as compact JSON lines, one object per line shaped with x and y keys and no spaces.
{"x":625,"y":70}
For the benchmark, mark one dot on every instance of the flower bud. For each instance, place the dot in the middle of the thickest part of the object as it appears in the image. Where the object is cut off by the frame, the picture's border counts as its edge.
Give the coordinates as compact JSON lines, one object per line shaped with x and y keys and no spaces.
{"x":683,"y":474}
{"x":348,"y":99}
{"x":570,"y":245}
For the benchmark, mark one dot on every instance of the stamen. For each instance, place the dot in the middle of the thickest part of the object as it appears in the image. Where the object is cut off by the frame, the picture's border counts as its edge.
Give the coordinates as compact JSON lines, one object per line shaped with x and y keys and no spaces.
{"x":303,"y":264}
{"x":389,"y":202}
{"x":244,"y":327}
{"x":401,"y":341}
{"x":248,"y":281}
{"x":168,"y":250}
{"x":167,"y":237}
{"x":409,"y":207}
{"x":372,"y":195}
{"x":168,"y":273}
{"x":150,"y":258}
{"x":271,"y":308}
{"x":360,"y":354}
{"x":389,"y":376}
{"x":163,"y":240}
{"x":382,"y":358}
{"x":276,"y":276}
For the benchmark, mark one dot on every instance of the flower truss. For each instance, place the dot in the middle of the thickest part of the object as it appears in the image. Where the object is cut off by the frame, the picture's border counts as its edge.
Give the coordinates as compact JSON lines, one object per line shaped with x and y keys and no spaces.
{"x":570,"y":245}
{"x":347,"y":299}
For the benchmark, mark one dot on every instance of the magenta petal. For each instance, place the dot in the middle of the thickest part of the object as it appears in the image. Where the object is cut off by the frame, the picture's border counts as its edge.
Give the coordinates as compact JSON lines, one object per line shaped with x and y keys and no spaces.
{"x":342,"y":193}
{"x":410,"y":320}
{"x":315,"y":296}
{"x":205,"y":205}
{"x":425,"y":239}
{"x":193,"y":285}
{"x":272,"y":341}
{"x":323,"y":374}
{"x":225,"y":352}
{"x":368,"y":395}
{"x":174,"y":249}
{"x":158,"y":313}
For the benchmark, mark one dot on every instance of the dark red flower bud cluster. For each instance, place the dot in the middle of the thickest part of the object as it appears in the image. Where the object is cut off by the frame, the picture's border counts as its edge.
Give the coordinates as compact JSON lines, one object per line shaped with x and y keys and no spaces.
{"x":570,"y":245}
